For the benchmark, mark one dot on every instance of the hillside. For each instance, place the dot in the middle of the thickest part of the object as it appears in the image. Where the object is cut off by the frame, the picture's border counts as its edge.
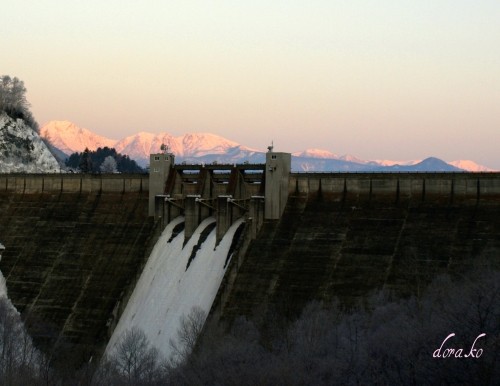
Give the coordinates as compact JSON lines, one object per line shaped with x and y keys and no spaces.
{"x":22,"y":149}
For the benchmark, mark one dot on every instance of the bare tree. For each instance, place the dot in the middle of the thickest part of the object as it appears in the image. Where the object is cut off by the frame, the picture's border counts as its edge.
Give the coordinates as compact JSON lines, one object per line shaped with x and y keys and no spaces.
{"x":133,"y":361}
{"x":187,"y":334}
{"x":20,"y":361}
{"x":384,"y":340}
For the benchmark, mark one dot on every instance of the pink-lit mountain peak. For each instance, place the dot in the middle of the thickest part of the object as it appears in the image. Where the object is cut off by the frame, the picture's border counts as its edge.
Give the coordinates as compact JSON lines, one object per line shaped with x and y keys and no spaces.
{"x":69,"y":138}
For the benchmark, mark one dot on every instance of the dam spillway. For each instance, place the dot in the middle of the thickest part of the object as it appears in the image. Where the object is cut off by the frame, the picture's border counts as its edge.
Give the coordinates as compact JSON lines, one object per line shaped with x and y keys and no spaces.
{"x":177,"y":278}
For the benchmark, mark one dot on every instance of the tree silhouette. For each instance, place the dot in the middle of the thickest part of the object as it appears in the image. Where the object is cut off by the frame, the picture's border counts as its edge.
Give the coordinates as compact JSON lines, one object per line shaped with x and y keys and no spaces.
{"x":85,"y":163}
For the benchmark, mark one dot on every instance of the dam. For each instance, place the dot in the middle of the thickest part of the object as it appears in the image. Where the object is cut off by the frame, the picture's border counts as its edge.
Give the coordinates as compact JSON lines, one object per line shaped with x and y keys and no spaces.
{"x":76,"y":245}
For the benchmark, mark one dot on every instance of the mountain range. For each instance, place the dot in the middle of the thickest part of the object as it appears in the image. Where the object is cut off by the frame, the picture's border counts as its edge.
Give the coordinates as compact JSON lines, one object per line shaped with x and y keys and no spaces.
{"x":208,"y":148}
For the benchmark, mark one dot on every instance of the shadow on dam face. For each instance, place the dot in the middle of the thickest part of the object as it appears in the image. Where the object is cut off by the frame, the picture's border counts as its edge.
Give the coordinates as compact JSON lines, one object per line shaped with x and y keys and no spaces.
{"x":69,"y":258}
{"x":329,"y":246}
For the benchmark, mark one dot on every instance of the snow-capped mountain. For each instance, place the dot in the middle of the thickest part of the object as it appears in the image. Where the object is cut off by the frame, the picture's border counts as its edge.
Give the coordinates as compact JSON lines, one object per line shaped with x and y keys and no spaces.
{"x":22,"y":149}
{"x":139,"y":146}
{"x":316,"y":153}
{"x":429,"y":164}
{"x":315,"y":164}
{"x":69,"y":138}
{"x":392,"y":163}
{"x":208,"y":148}
{"x":325,"y":154}
{"x":470,"y":166}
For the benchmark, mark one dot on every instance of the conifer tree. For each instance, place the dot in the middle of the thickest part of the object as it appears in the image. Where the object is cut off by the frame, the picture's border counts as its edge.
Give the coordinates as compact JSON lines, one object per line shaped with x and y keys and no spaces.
{"x":85,"y":162}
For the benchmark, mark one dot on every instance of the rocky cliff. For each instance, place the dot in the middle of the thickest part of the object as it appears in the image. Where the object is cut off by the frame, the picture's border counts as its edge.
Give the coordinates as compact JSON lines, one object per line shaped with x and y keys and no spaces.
{"x":22,"y":149}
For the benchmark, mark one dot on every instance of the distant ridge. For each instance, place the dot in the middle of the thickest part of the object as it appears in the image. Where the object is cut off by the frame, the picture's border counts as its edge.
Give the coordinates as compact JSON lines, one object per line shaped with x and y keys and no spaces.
{"x":208,"y":148}
{"x":431,"y":163}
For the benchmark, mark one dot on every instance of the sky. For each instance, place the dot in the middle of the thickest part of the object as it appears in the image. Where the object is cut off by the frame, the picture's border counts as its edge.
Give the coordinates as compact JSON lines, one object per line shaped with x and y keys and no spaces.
{"x":379,"y":79}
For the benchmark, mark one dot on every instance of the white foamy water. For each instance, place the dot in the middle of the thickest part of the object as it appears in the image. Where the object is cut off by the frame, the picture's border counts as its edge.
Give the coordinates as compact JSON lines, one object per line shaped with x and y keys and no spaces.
{"x":166,"y":290}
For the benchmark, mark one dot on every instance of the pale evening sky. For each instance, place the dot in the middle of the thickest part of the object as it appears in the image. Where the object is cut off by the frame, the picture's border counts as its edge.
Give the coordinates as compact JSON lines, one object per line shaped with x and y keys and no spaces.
{"x":391,"y":79}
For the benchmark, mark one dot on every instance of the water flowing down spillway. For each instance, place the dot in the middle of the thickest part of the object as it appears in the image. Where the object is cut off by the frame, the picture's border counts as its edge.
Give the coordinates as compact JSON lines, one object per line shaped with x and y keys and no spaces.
{"x":174,"y":280}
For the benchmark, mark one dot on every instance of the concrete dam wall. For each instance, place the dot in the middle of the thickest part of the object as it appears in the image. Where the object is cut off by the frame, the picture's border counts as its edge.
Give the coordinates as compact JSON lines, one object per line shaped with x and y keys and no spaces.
{"x":74,"y":183}
{"x":74,"y":244}
{"x":345,"y":235}
{"x":395,"y":186}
